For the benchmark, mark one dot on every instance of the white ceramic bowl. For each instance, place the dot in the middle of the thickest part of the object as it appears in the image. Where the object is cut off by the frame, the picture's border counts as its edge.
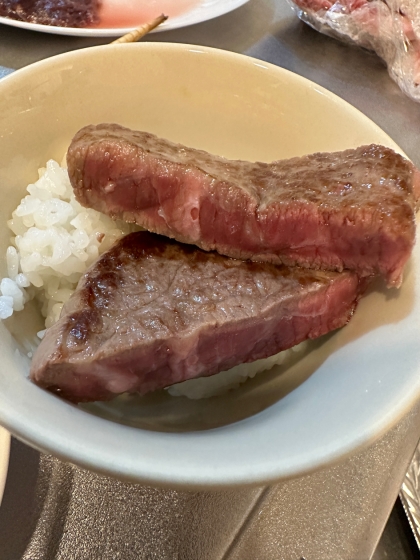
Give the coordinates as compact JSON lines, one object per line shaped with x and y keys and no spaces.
{"x":343,"y":394}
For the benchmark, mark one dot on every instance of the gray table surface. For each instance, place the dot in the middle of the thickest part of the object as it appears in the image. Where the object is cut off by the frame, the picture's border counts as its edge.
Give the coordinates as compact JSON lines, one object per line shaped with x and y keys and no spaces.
{"x":268,"y":30}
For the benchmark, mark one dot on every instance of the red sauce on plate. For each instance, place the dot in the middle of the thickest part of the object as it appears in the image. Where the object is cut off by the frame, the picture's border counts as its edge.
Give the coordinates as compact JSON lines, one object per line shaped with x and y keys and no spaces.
{"x":132,"y":13}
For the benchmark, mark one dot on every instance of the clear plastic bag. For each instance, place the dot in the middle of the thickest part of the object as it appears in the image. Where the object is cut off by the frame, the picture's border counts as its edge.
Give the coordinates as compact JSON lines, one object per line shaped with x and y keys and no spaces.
{"x":391,"y":28}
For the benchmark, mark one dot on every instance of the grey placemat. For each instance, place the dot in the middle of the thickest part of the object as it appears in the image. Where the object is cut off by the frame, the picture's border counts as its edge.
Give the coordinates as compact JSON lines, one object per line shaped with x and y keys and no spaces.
{"x":56,"y":511}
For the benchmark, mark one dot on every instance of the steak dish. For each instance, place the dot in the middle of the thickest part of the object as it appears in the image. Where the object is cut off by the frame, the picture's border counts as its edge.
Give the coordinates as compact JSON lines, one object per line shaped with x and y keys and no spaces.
{"x":151,"y":313}
{"x":346,"y":210}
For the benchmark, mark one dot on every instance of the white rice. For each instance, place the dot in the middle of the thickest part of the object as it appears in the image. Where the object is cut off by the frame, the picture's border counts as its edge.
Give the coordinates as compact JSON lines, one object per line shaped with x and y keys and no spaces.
{"x":55,"y":241}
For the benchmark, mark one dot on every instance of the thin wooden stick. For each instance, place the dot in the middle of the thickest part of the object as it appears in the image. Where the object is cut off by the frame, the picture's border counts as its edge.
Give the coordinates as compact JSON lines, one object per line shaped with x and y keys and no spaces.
{"x":140,"y":31}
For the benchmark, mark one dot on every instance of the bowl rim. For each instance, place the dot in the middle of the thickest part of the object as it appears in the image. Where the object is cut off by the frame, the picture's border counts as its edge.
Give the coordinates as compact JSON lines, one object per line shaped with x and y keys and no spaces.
{"x":4,"y":459}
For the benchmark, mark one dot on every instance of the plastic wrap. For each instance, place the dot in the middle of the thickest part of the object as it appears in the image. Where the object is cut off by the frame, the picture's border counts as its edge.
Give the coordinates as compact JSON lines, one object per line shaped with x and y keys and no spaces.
{"x":391,"y":28}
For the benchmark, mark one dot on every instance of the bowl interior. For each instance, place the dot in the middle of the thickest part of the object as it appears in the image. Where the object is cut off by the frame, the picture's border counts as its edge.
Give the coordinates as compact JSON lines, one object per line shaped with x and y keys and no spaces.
{"x":235,"y":107}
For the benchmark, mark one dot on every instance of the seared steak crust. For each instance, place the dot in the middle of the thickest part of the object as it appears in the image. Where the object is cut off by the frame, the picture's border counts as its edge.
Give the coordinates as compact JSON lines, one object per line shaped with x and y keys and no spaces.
{"x":151,"y":312}
{"x":346,"y":210}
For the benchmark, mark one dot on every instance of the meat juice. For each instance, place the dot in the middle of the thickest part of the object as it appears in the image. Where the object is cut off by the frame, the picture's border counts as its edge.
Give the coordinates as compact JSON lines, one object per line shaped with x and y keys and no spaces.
{"x":132,"y":13}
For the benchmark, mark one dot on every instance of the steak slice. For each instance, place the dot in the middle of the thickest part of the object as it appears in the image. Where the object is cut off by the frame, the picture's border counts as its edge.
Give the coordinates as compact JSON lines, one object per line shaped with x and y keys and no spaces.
{"x":353,"y":209}
{"x":65,"y":13}
{"x":151,"y":312}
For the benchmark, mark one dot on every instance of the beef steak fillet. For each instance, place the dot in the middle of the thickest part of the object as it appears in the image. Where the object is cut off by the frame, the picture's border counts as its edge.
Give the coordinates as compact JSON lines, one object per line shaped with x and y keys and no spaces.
{"x":151,"y":312}
{"x":64,"y":13}
{"x":352,"y":209}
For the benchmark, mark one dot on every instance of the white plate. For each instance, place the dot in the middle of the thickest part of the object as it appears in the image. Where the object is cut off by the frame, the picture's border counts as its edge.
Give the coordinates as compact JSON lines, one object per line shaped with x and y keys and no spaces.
{"x":202,"y":11}
{"x":352,"y":387}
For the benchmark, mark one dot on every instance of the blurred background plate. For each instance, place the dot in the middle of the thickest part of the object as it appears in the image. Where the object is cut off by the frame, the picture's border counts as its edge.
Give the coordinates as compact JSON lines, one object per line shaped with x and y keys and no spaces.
{"x":196,"y":11}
